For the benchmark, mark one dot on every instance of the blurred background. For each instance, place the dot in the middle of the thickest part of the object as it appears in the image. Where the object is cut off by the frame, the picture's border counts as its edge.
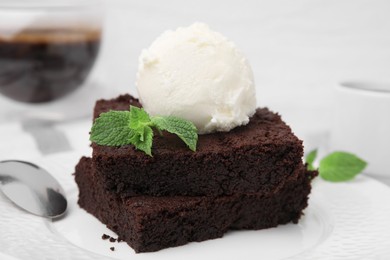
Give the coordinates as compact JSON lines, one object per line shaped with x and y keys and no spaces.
{"x":299,"y":50}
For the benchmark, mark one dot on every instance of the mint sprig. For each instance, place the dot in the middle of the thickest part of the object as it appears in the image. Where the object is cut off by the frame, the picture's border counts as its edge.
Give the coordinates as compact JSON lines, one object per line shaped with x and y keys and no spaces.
{"x":183,"y":129}
{"x":337,"y":166}
{"x":112,"y":129}
{"x":310,"y":158}
{"x":118,"y":128}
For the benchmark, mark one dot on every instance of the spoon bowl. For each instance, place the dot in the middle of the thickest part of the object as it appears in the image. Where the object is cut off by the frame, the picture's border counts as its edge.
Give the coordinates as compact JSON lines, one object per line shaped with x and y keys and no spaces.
{"x":32,"y":188}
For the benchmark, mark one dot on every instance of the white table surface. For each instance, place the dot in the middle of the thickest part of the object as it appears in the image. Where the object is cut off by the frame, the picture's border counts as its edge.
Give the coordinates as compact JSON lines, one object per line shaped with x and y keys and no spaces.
{"x":298,"y":50}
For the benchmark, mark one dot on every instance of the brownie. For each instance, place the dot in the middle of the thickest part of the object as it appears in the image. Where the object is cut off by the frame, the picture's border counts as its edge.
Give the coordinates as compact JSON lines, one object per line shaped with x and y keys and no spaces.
{"x":253,"y":158}
{"x":149,"y":223}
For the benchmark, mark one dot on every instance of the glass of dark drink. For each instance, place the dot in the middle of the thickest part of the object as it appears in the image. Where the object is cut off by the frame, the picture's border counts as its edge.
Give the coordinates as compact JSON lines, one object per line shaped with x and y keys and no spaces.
{"x":47,"y":48}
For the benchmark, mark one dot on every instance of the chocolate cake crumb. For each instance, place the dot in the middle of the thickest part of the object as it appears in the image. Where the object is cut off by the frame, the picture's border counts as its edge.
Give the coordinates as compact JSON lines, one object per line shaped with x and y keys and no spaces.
{"x":251,"y":177}
{"x":147,"y":222}
{"x":105,"y":237}
{"x":254,"y":158}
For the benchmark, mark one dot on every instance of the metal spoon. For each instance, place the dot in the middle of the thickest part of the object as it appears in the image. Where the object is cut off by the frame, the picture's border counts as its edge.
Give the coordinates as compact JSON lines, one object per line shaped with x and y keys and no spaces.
{"x":32,"y":188}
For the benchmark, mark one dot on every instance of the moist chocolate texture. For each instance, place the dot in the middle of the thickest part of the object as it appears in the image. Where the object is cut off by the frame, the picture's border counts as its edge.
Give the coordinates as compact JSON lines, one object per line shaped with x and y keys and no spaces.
{"x":256,"y":157}
{"x":149,"y":223}
{"x":251,"y":177}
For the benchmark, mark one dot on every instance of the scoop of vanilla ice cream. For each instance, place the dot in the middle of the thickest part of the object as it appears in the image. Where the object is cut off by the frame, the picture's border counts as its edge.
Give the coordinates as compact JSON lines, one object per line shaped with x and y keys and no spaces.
{"x":197,"y":74}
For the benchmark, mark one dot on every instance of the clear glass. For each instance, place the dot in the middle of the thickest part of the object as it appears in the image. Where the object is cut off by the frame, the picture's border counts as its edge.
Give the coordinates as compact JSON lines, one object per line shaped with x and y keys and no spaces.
{"x":47,"y":48}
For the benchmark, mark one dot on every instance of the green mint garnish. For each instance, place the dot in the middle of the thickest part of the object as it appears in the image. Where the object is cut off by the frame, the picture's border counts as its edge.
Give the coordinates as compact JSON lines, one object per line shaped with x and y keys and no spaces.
{"x":185,"y":130}
{"x":341,"y":166}
{"x":310,"y":158}
{"x":118,"y":128}
{"x":337,"y":166}
{"x":112,"y":129}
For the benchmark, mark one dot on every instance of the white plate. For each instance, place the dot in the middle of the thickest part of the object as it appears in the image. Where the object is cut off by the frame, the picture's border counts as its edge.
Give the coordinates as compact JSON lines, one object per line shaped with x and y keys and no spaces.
{"x":343,"y":221}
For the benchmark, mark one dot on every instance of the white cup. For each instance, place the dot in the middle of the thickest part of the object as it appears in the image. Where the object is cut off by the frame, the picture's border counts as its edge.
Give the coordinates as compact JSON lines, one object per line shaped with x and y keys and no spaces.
{"x":361,"y":123}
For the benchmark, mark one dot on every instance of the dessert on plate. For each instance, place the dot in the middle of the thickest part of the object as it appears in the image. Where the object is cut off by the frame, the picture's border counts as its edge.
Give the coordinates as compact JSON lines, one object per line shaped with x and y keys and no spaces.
{"x":252,"y":158}
{"x":151,"y":223}
{"x":243,"y":171}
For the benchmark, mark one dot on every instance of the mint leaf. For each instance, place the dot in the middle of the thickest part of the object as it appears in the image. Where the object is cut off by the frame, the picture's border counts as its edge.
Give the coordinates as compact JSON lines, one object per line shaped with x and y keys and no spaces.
{"x":310,"y":158}
{"x":112,"y":129}
{"x":117,"y":128}
{"x":184,"y":129}
{"x":340,"y":166}
{"x":144,"y":144}
{"x":139,"y":119}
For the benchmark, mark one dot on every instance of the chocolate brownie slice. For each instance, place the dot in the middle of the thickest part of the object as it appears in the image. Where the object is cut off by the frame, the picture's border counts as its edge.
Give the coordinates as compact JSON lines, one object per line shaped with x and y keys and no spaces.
{"x":253,"y":158}
{"x":152,"y":223}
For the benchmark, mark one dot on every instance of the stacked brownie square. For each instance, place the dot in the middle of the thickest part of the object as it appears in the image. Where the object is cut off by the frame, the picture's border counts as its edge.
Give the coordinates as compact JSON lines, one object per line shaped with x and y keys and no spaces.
{"x":251,"y":177}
